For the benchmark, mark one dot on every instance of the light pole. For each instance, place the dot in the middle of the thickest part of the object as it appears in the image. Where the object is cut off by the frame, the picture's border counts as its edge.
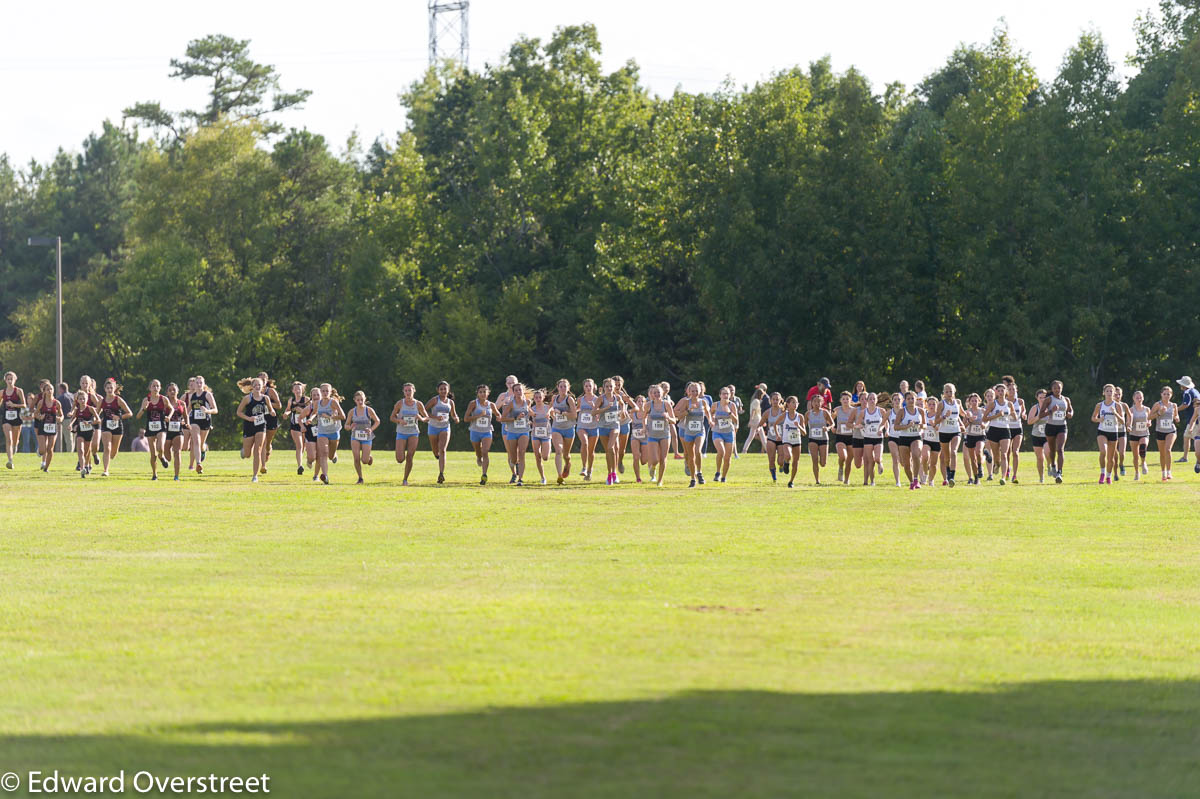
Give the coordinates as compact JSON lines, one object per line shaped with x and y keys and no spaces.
{"x":46,"y":241}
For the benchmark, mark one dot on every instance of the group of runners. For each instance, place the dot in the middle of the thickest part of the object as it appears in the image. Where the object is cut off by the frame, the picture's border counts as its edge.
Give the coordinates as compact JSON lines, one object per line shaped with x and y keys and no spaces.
{"x":926,"y":436}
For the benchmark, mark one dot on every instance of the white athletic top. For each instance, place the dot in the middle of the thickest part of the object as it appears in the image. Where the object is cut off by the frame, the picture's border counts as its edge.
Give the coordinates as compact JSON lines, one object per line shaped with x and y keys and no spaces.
{"x":950,"y":416}
{"x":1108,"y":417}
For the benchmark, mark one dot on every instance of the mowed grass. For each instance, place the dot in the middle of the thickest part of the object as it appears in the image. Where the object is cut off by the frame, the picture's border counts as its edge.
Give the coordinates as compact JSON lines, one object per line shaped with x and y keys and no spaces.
{"x":740,"y":639}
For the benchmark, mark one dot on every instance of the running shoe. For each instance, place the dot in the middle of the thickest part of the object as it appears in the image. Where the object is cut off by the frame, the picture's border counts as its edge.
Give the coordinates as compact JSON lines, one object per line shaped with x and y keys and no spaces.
{"x":163,"y":461}
{"x":722,"y":479}
{"x":360,"y":481}
{"x":441,"y":477}
{"x":950,"y":482}
{"x":560,"y":480}
{"x":334,"y":458}
{"x":512,"y":479}
{"x":253,"y":479}
{"x":774,"y":479}
{"x":785,"y":466}
{"x":299,"y":470}
{"x":1001,"y":481}
{"x":621,"y":467}
{"x":717,"y":477}
{"x":325,"y":479}
{"x":1182,"y":460}
{"x":1058,"y":477}
{"x":791,"y":484}
{"x":700,"y":478}
{"x":1122,"y":470}
{"x":693,"y":483}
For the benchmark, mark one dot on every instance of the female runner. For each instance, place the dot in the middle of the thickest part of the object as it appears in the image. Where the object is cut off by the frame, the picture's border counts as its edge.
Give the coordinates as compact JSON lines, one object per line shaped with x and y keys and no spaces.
{"x":502,"y":401}
{"x":309,"y":421}
{"x":1105,"y":414}
{"x":931,"y":442}
{"x":844,"y":435}
{"x":637,"y":435}
{"x":203,"y":408}
{"x":1122,"y":430}
{"x":253,"y":410}
{"x":539,"y":439}
{"x":893,"y":410}
{"x":998,"y":434}
{"x":588,"y":427}
{"x":562,"y":434}
{"x":407,"y":414}
{"x":973,"y":444}
{"x":112,"y":410}
{"x":296,"y":412}
{"x":949,"y":423}
{"x":693,"y":412}
{"x":754,"y":428}
{"x":1056,"y":427}
{"x":910,"y":418}
{"x":272,"y":419}
{"x":177,"y":424}
{"x":725,"y":425}
{"x":869,"y":418}
{"x":157,"y":411}
{"x":1139,"y":433}
{"x":329,"y":417}
{"x":1016,"y":420}
{"x":1036,"y":416}
{"x":820,"y":422}
{"x":85,"y":420}
{"x":1165,"y":415}
{"x":515,"y":415}
{"x":47,"y":417}
{"x":623,"y":439}
{"x":792,"y":434}
{"x":770,"y":422}
{"x":88,"y":386}
{"x":13,"y":400}
{"x":440,"y":408}
{"x":361,"y":423}
{"x":660,"y":418}
{"x":609,"y":411}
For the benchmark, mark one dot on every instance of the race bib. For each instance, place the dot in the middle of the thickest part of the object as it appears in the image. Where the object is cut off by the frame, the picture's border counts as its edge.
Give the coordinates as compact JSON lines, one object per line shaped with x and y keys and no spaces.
{"x":362,"y":435}
{"x":199,"y":414}
{"x":520,"y":424}
{"x":1039,"y":429}
{"x":113,"y":424}
{"x":154,"y":427}
{"x":772,"y":431}
{"x":259,"y":420}
{"x":85,"y":427}
{"x":725,"y":423}
{"x":792,"y":436}
{"x":658,"y":425}
{"x":49,"y":428}
{"x":1059,"y":416}
{"x":871,"y":430}
{"x":295,"y":420}
{"x":409,"y":422}
{"x":483,"y":423}
{"x":695,"y":426}
{"x":12,"y":415}
{"x":976,"y":429}
{"x":1140,"y":426}
{"x":843,"y":429}
{"x":1166,"y":424}
{"x":816,"y":432}
{"x":585,"y":418}
{"x":541,"y":432}
{"x":174,"y":427}
{"x":324,"y":420}
{"x":610,"y":417}
{"x":639,"y":433}
{"x":443,"y":418}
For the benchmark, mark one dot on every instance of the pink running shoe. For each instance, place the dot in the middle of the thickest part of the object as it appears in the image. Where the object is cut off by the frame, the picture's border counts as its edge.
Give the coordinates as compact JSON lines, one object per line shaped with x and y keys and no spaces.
{"x":1101,"y":479}
{"x":1108,"y":480}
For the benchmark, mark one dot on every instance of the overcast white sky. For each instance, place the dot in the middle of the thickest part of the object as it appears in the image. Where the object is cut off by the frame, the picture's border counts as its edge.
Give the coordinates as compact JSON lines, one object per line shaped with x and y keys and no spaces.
{"x":68,"y":65}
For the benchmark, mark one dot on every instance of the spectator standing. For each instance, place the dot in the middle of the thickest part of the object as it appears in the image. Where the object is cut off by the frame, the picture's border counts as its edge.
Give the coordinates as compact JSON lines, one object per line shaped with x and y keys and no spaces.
{"x":66,"y":399}
{"x":822,"y":390}
{"x":140,"y":442}
{"x":28,"y":435}
{"x":1189,"y":403}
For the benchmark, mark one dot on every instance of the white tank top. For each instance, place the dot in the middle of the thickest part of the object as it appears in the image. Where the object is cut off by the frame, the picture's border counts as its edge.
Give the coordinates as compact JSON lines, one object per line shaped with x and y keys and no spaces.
{"x":950,"y":414}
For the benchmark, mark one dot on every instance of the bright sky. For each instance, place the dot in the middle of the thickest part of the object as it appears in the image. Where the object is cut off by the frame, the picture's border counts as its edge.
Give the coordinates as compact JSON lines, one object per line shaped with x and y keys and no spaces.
{"x":66,"y":66}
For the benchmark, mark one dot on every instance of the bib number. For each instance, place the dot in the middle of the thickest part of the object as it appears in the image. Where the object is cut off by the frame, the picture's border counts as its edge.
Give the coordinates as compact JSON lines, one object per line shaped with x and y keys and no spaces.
{"x":610,"y":417}
{"x":1059,"y":416}
{"x":113,"y":424}
{"x":1166,"y":424}
{"x":49,"y":428}
{"x":259,"y":420}
{"x":843,"y":430}
{"x":639,"y":433}
{"x":658,"y":425}
{"x":443,"y":418}
{"x":792,"y":436}
{"x":85,"y":427}
{"x":541,"y":432}
{"x":362,"y":435}
{"x":483,"y":423}
{"x":520,"y":424}
{"x":154,"y":427}
{"x":325,"y":421}
{"x":410,"y":422}
{"x":174,"y":427}
{"x":1140,"y":427}
{"x":585,"y":418}
{"x":199,"y":414}
{"x":725,"y":424}
{"x":295,"y":420}
{"x":976,"y":429}
{"x":12,"y":415}
{"x":694,"y":426}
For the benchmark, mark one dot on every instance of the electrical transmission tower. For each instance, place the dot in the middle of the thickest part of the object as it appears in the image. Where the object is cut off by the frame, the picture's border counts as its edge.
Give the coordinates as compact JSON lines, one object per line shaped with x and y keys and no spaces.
{"x":448,"y":31}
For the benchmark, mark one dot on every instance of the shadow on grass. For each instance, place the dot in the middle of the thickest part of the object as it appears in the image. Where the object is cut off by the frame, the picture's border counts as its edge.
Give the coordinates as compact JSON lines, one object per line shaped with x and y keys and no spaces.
{"x":1120,"y":738}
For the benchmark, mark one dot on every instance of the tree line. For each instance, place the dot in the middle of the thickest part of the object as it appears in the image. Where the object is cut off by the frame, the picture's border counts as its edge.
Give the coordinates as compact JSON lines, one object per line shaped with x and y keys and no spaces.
{"x":547,"y":218}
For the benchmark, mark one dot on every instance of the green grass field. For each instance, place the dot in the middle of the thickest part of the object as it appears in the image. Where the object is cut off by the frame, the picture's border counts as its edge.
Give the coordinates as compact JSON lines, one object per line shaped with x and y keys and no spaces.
{"x":584,"y":641}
